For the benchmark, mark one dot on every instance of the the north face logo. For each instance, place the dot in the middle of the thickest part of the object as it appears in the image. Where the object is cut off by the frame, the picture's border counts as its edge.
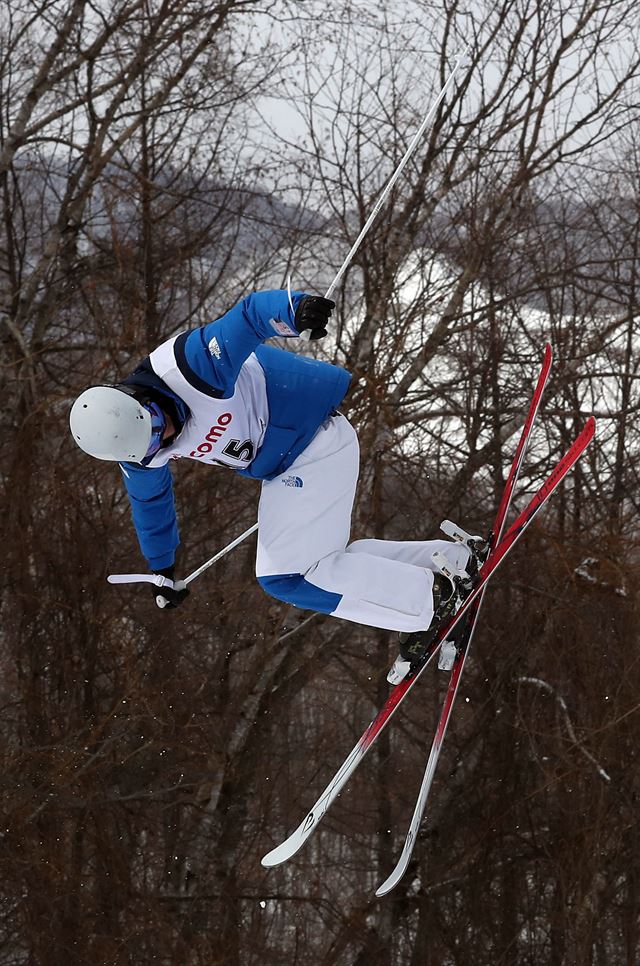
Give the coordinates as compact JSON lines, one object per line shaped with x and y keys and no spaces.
{"x":214,"y":348}
{"x":292,"y":481}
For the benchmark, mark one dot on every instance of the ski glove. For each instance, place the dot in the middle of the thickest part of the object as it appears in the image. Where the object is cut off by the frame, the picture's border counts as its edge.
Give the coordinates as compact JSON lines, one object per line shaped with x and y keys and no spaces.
{"x":171,"y":595}
{"x":313,"y":313}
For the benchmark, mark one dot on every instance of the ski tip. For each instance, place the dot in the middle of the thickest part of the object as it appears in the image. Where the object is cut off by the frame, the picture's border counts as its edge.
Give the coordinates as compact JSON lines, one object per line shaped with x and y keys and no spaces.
{"x":278,"y":855}
{"x":296,"y":840}
{"x":389,"y":883}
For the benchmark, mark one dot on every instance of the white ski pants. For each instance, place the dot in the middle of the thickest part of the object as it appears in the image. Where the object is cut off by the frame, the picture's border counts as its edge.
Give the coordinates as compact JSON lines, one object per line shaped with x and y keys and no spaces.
{"x":304,"y":556}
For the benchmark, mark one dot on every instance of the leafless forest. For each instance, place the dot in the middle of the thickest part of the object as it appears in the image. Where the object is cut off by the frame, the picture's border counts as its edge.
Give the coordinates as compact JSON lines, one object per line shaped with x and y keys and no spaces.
{"x":159,"y":159}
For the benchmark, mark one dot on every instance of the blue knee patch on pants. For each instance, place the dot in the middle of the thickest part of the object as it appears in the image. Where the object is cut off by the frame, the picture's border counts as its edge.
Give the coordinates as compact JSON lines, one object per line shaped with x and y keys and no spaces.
{"x":294,"y":589}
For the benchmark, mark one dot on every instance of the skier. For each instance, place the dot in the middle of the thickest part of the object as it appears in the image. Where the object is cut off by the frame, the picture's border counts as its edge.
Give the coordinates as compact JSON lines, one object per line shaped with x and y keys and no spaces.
{"x":216,"y":394}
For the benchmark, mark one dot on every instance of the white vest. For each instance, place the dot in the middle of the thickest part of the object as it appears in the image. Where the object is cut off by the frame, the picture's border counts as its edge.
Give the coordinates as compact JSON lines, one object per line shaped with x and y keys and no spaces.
{"x":228,"y":431}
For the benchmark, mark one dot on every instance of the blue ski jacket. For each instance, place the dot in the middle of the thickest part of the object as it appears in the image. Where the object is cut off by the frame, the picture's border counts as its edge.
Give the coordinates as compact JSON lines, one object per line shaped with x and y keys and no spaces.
{"x":234,"y":401}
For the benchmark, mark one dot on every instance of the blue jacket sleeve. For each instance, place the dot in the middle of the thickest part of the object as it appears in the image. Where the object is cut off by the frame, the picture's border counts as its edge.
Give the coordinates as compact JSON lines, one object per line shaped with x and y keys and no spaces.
{"x":150,"y":492}
{"x":216,"y":352}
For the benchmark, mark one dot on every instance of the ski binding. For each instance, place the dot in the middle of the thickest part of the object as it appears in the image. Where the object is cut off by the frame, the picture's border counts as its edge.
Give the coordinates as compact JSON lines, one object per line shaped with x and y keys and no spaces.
{"x":447,"y":656}
{"x":474,"y":542}
{"x":457,"y":576}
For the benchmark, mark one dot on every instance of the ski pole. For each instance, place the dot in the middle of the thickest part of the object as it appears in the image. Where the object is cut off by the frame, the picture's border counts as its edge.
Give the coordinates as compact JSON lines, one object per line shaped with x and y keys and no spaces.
{"x":161,"y":581}
{"x":221,"y":553}
{"x":394,"y":177}
{"x":306,"y":335}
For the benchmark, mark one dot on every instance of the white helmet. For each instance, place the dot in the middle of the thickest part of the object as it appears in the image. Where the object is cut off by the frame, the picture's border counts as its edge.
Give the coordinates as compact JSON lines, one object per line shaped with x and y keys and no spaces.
{"x":109,"y":423}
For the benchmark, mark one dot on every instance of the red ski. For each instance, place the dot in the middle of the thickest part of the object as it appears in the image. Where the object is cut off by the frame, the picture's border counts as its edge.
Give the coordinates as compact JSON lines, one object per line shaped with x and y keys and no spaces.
{"x":501,"y":549}
{"x":458,"y":667}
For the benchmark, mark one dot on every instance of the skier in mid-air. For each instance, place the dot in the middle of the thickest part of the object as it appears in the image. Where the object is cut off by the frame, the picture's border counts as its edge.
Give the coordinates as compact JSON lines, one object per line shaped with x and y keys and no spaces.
{"x":216,"y":394}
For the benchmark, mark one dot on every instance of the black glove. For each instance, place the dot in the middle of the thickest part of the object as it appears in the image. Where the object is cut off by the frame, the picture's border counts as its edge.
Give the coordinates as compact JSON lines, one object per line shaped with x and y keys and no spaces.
{"x":171,"y":595}
{"x":313,"y":313}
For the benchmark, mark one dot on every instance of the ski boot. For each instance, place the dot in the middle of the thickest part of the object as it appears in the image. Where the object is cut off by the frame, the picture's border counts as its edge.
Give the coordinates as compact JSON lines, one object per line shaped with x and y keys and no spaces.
{"x":449,"y":590}
{"x":451,"y":586}
{"x":478,"y":552}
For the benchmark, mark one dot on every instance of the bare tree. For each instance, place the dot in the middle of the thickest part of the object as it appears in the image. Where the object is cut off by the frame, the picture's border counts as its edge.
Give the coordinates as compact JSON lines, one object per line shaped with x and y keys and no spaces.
{"x":150,"y":759}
